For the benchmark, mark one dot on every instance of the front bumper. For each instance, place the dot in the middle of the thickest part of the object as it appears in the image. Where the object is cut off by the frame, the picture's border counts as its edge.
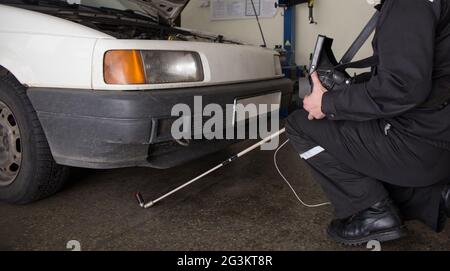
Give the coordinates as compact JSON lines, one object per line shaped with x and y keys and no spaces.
{"x":114,"y":129}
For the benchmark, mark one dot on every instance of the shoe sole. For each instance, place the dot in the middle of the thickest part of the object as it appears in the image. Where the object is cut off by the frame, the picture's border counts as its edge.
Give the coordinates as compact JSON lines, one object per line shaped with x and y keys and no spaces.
{"x":442,"y":221}
{"x":385,"y":236}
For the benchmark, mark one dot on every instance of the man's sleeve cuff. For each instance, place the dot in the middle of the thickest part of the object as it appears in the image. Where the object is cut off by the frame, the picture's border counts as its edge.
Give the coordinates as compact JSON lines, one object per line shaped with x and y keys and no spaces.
{"x":328,"y":107}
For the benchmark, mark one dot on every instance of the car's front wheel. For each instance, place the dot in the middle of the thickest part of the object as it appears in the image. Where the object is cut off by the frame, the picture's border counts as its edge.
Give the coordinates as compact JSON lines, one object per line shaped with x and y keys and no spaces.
{"x":27,"y":169}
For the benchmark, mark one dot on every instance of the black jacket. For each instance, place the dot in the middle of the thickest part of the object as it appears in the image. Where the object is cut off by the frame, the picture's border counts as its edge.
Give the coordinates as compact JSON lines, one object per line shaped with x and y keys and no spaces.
{"x":412,"y":42}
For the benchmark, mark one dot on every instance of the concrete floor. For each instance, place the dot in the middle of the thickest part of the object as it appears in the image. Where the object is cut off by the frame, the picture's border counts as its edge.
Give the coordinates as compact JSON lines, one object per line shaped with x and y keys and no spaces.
{"x":245,"y":206}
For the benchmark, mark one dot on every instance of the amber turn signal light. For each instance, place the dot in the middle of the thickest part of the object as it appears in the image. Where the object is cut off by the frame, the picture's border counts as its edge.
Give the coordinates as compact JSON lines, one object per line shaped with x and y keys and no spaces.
{"x":123,"y":67}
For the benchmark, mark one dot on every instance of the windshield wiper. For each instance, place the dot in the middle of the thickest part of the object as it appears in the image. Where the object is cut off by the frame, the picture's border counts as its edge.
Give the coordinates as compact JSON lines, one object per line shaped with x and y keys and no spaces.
{"x":64,"y":6}
{"x":127,"y":13}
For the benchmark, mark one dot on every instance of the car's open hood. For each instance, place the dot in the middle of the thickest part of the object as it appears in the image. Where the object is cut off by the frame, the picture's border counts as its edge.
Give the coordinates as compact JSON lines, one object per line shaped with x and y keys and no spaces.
{"x":168,"y":10}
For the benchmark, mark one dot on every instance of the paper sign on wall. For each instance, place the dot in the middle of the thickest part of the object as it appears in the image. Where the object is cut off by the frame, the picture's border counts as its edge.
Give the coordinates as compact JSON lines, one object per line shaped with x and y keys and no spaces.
{"x":242,"y":9}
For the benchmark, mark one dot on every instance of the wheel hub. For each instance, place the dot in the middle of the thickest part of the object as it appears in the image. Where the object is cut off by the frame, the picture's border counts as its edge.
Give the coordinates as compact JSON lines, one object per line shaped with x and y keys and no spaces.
{"x":10,"y":146}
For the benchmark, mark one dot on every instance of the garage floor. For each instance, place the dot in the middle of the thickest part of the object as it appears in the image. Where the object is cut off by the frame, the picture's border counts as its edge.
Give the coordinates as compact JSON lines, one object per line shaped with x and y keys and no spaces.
{"x":243,"y":207}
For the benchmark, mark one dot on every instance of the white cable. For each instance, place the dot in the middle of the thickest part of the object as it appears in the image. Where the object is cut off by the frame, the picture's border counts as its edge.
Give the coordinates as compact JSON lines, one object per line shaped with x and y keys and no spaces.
{"x":289,"y":184}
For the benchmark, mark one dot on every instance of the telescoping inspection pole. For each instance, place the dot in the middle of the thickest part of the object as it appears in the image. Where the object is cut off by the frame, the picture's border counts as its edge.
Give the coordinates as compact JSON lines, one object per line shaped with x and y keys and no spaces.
{"x":150,"y":204}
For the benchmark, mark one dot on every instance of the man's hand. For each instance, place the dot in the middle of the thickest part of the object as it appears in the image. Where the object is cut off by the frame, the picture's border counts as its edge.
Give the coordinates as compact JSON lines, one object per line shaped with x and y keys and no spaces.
{"x":313,"y":102}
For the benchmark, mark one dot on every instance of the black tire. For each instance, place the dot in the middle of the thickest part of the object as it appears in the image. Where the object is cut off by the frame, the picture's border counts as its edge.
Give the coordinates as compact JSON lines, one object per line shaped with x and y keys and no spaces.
{"x":38,"y":175}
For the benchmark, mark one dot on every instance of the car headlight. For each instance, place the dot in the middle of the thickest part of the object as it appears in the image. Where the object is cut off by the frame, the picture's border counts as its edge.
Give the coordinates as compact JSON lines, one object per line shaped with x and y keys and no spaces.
{"x":278,"y":69}
{"x":125,"y":67}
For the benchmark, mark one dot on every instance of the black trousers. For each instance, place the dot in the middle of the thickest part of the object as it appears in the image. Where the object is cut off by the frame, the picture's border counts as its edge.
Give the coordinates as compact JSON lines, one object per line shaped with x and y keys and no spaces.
{"x":361,"y":163}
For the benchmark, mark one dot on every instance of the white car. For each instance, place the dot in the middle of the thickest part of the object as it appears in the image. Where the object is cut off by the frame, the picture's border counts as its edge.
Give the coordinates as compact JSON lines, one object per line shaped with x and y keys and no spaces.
{"x":91,"y":84}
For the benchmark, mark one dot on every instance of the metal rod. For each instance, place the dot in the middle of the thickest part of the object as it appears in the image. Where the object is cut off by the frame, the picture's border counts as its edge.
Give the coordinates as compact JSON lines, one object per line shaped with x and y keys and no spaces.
{"x":226,"y":162}
{"x":259,"y":24}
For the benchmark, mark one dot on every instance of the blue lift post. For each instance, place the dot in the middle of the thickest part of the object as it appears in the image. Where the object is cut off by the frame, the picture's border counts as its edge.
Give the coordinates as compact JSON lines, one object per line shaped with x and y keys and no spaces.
{"x":290,"y":68}
{"x":288,"y":63}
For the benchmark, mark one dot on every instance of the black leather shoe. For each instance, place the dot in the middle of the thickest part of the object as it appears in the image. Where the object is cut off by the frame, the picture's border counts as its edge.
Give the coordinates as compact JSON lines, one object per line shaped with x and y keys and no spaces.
{"x":381,"y":222}
{"x":444,"y":209}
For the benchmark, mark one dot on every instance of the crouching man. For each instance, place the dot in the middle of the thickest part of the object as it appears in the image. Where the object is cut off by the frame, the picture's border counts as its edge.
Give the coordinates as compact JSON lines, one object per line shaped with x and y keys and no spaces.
{"x":381,"y":149}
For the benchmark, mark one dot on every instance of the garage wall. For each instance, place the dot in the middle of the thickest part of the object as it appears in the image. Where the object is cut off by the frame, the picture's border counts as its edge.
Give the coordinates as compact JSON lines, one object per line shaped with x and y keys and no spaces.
{"x":340,"y":19}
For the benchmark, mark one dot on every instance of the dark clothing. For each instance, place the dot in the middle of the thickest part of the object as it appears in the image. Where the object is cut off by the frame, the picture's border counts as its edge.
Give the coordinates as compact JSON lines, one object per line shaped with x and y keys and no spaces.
{"x":379,"y":140}
{"x":412,"y":42}
{"x":364,"y":162}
